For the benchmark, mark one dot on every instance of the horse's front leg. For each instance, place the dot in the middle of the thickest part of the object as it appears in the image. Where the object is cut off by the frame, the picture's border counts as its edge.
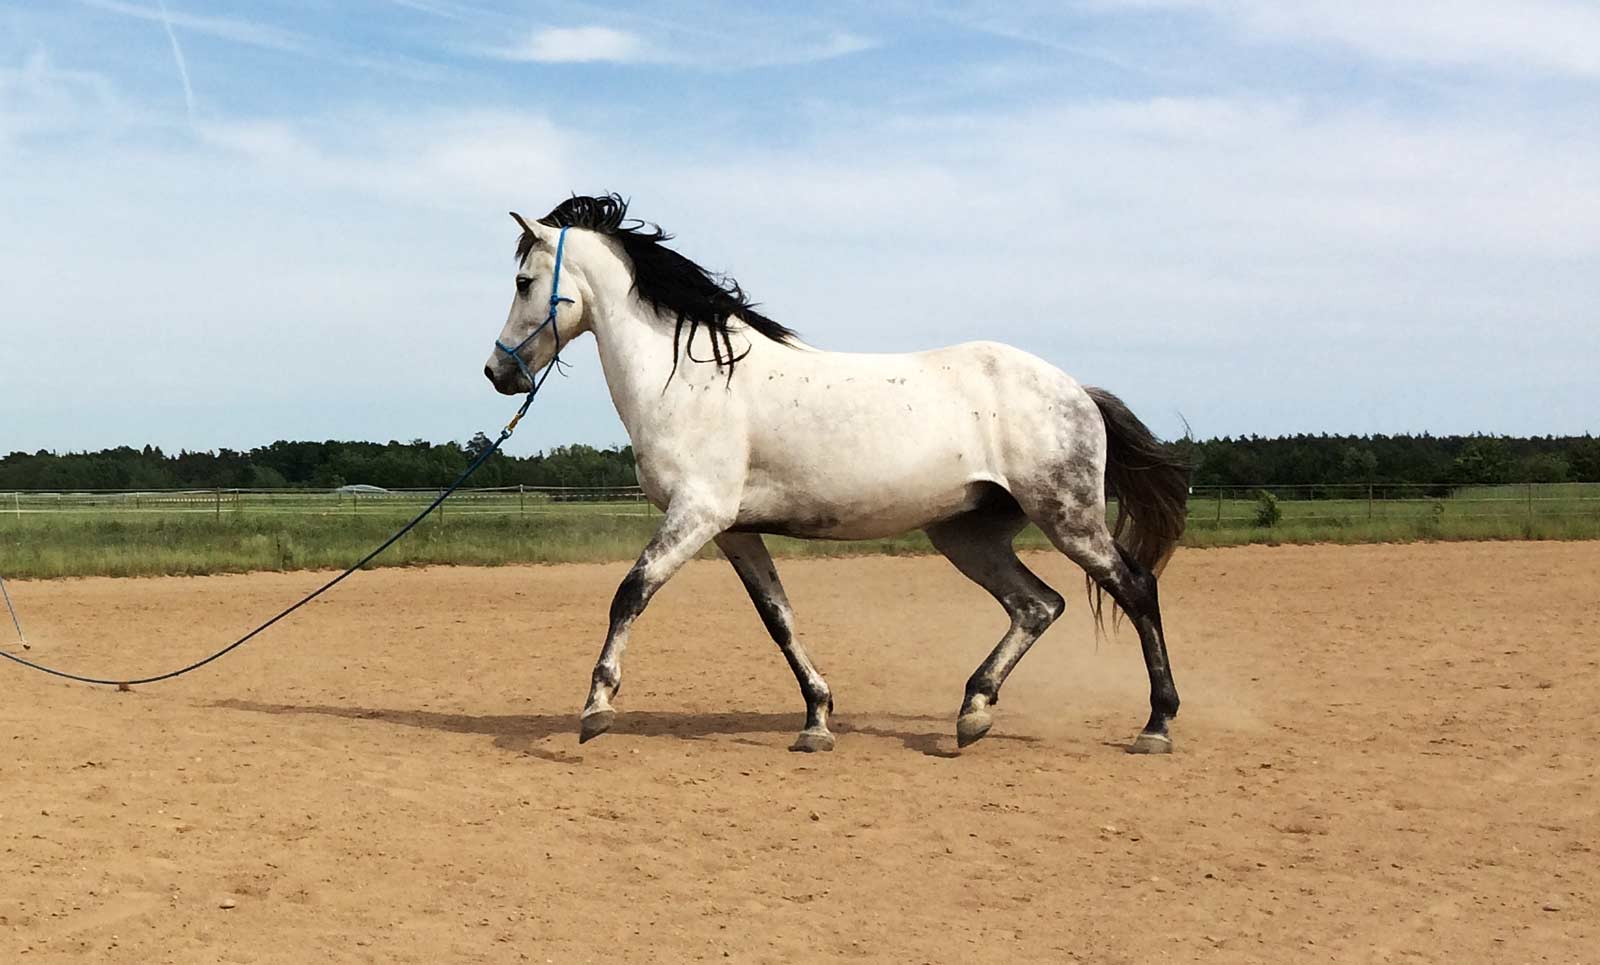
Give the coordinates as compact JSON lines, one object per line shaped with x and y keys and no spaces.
{"x":686,"y":528}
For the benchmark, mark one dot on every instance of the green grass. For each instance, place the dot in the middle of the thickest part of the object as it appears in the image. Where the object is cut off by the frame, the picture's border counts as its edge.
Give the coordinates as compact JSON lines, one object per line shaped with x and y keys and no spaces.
{"x":108,"y":536}
{"x":237,"y":542}
{"x":1554,"y":511}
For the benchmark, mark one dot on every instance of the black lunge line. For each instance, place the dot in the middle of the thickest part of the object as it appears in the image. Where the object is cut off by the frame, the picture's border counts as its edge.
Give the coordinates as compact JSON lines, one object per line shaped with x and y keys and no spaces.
{"x":15,"y":620}
{"x":81,"y":678}
{"x":483,"y":457}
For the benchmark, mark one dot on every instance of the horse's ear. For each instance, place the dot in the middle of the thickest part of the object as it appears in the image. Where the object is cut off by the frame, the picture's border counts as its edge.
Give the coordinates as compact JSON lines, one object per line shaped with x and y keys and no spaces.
{"x":518,"y":219}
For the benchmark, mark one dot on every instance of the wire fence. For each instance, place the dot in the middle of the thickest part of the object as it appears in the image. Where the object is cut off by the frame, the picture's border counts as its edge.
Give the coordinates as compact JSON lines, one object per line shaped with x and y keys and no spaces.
{"x":613,"y":500}
{"x":1223,"y":507}
{"x":1218,"y":507}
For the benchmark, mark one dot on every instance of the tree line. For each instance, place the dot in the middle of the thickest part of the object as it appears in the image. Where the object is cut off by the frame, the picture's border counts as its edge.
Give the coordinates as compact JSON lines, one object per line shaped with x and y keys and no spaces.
{"x":1304,"y":460}
{"x":1239,"y":462}
{"x":314,"y":465}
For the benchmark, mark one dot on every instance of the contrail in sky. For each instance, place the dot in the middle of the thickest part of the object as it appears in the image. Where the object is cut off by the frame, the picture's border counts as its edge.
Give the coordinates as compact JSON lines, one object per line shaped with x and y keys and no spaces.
{"x":177,"y":55}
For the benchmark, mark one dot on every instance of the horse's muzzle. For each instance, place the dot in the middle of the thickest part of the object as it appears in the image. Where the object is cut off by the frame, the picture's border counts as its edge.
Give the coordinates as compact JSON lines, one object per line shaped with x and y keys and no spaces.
{"x":507,"y":383}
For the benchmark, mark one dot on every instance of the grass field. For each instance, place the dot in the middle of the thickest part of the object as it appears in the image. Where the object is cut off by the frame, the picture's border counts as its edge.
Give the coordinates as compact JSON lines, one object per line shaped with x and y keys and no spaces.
{"x":1521,"y":511}
{"x":45,"y":536}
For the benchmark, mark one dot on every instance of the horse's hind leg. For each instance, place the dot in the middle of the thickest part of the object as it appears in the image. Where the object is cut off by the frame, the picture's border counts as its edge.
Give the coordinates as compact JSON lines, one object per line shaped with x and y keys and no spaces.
{"x":753,"y":563}
{"x":979,"y":544}
{"x":1079,"y":531}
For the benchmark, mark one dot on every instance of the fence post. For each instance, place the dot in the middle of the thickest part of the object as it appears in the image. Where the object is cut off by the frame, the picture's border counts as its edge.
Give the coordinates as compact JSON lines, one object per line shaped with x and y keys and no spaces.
{"x":1369,"y":502}
{"x":1530,"y":502}
{"x":219,"y":502}
{"x":522,"y":504}
{"x":1219,"y":509}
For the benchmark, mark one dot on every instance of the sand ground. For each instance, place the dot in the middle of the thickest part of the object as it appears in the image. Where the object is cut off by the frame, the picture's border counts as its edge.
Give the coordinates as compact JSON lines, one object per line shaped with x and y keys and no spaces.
{"x":1386,"y":754}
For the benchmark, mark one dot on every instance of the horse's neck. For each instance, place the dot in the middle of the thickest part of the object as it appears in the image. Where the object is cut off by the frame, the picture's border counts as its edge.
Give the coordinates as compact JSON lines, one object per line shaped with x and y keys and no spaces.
{"x":636,"y":353}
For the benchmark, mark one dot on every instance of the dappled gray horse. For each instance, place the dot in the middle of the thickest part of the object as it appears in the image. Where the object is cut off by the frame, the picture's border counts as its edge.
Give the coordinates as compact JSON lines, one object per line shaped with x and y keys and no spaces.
{"x":740,"y":429}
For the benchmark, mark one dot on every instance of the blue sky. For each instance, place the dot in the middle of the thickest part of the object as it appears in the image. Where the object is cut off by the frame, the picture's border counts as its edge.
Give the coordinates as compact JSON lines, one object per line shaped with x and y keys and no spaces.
{"x":227,"y":223}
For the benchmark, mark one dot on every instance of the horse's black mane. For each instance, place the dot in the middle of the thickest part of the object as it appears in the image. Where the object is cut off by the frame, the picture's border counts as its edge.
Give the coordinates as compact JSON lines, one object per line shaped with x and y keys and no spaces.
{"x":664,"y":279}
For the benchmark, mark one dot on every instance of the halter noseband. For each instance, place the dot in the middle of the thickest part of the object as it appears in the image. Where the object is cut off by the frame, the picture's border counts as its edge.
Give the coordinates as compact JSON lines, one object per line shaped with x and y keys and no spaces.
{"x":549,"y":322}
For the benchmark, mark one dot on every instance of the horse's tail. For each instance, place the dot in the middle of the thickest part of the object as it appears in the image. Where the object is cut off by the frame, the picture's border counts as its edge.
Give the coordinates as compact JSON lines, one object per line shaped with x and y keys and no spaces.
{"x":1150,"y":482}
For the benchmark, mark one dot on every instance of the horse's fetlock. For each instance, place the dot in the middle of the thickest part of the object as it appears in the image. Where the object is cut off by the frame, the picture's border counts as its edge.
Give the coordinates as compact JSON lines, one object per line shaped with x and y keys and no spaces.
{"x":818,"y":694}
{"x":607,"y":677}
{"x":981,"y":692}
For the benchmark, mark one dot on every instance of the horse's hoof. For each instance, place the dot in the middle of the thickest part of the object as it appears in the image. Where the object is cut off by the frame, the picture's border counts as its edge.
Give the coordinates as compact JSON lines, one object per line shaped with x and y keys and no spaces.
{"x":1148,"y":743}
{"x":971,"y":726}
{"x":812,"y":740}
{"x":595,"y":723}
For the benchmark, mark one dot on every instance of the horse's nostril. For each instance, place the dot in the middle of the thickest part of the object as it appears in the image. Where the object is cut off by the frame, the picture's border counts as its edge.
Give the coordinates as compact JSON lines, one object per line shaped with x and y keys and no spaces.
{"x":488,"y":373}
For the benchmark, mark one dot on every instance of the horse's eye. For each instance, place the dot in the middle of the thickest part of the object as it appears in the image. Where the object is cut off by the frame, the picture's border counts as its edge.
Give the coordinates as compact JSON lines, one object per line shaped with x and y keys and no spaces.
{"x":523,"y":283}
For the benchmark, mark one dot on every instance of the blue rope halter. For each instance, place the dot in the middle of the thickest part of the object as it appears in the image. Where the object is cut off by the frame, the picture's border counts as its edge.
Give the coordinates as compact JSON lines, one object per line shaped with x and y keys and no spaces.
{"x":556,"y":298}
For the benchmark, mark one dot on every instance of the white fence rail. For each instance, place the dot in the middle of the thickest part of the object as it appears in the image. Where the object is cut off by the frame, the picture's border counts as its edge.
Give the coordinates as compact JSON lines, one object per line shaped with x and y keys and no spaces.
{"x":1216,"y":507}
{"x":627,"y":500}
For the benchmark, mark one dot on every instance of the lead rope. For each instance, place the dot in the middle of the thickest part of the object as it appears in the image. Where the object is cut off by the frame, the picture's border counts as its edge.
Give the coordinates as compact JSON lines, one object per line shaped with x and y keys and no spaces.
{"x":15,"y":620}
{"x":474,"y":466}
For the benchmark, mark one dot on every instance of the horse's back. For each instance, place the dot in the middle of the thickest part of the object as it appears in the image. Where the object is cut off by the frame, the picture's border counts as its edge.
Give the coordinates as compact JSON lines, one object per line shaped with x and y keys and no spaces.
{"x":870,"y":444}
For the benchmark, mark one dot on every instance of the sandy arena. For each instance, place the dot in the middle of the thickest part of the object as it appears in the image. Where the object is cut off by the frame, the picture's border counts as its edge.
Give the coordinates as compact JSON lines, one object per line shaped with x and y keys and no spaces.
{"x":1385,"y":754}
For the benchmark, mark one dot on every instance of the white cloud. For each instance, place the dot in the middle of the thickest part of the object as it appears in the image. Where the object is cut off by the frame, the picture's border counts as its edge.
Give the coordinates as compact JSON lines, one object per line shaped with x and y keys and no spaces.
{"x":445,"y":10}
{"x":267,"y":37}
{"x":1262,"y":263}
{"x":581,"y":45}
{"x":1559,"y":36}
{"x":245,"y":32}
{"x":440,"y":162}
{"x":38,"y":98}
{"x":839,"y":44}
{"x":597,"y":44}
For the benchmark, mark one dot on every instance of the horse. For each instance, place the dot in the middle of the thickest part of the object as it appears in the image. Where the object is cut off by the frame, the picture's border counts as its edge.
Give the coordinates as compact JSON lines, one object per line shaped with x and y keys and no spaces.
{"x":740,"y":429}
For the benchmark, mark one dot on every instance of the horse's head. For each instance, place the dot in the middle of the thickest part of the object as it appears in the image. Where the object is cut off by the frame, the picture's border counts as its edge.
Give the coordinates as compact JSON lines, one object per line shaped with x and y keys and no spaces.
{"x":547,"y":312}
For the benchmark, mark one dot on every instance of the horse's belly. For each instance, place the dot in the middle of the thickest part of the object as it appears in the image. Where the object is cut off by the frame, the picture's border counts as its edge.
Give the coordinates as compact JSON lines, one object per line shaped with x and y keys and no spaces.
{"x":867,"y":469}
{"x":868,"y":512}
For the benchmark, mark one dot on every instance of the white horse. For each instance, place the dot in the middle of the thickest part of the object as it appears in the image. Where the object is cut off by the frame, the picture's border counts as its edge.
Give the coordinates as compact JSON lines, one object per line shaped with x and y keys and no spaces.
{"x":740,"y":430}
